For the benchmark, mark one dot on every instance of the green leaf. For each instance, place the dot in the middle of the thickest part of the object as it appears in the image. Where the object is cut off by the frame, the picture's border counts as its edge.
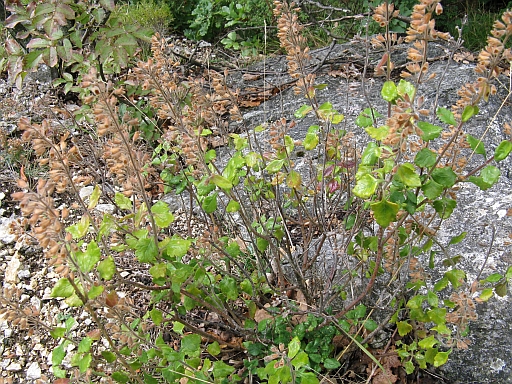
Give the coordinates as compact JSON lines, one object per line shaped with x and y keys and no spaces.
{"x":308,"y":378}
{"x":428,"y":342}
{"x":294,"y":179}
{"x":444,"y":207}
{"x":62,"y":288}
{"x":146,"y":250}
{"x":403,"y":328}
{"x":408,"y":176}
{"x":331,"y":363}
{"x":406,"y":88}
{"x":409,"y":367}
{"x":293,"y":347}
{"x":158,"y":271}
{"x":490,"y":174}
{"x":58,"y":354}
{"x":178,"y":247}
{"x":365,"y":187}
{"x":503,"y":150}
{"x":389,"y":91}
{"x":486,"y":294}
{"x":95,"y":291}
{"x":122,"y":201}
{"x":501,"y":289}
{"x":384,"y":212}
{"x":432,"y":299}
{"x":366,"y":117}
{"x":162,"y":215}
{"x":57,"y":332}
{"x":221,"y":182}
{"x":469,"y":112}
{"x":494,"y":278}
{"x":79,"y":229}
{"x":444,"y":176}
{"x":437,"y":315}
{"x":110,"y":357}
{"x":221,"y":370}
{"x":456,"y":277}
{"x":191,"y":345}
{"x":120,"y":377}
{"x":415,"y":302}
{"x":88,"y":259}
{"x":300,"y":360}
{"x":371,"y":154}
{"x":229,"y":287}
{"x":233,"y":206}
{"x":95,"y":196}
{"x":209,"y":204}
{"x":303,"y":111}
{"x":425,"y":158}
{"x":85,"y":345}
{"x":430,"y":131}
{"x":214,"y":348}
{"x":377,"y":133}
{"x":441,"y":358}
{"x":156,"y":316}
{"x":441,"y":284}
{"x":446,"y":116}
{"x":107,"y":268}
{"x":432,"y":190}
{"x":370,"y":325}
{"x":310,"y":141}
{"x":476,"y":145}
{"x":261,"y":244}
{"x":275,"y":166}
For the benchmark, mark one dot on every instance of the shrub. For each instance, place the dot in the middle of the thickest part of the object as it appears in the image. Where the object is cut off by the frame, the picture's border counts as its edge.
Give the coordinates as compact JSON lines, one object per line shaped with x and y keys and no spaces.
{"x":237,"y":283}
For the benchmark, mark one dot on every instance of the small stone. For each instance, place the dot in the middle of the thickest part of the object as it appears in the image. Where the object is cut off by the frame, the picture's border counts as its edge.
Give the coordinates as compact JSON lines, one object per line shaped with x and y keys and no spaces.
{"x":33,"y":371}
{"x":13,"y":367}
{"x":85,"y":192}
{"x":6,"y":236}
{"x":24,"y":274}
{"x":105,"y":208}
{"x":11,"y":272}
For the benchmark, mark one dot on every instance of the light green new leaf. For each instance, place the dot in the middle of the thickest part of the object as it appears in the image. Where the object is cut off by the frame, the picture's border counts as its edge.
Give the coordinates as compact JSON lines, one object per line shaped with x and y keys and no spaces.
{"x":94,"y":198}
{"x":233,"y":206}
{"x":275,"y":166}
{"x":428,"y":342}
{"x":293,"y":347}
{"x":377,"y":133}
{"x":389,"y":91}
{"x":62,"y":288}
{"x":384,"y":212}
{"x":178,"y":247}
{"x":371,"y":154}
{"x":406,"y":88}
{"x":430,"y":131}
{"x":79,"y":229}
{"x":123,"y":202}
{"x":303,"y":111}
{"x":163,"y":216}
{"x":214,"y":348}
{"x":486,"y":294}
{"x":503,"y":150}
{"x":365,"y":187}
{"x":310,"y":141}
{"x":408,"y":176}
{"x":441,"y":358}
{"x":366,"y":117}
{"x":156,"y":316}
{"x":437,"y":315}
{"x":490,"y":174}
{"x":107,"y":268}
{"x":88,"y":259}
{"x":456,"y":277}
{"x":95,"y":291}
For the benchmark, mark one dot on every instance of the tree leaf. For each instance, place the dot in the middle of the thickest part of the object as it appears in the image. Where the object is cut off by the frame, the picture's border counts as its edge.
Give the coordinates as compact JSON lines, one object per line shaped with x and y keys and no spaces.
{"x":476,"y":145}
{"x":403,"y":328}
{"x":191,"y":345}
{"x":384,"y":212}
{"x":95,"y":291}
{"x":486,"y":294}
{"x":178,"y":247}
{"x":430,"y":131}
{"x":88,"y":259}
{"x":446,"y":116}
{"x":503,"y":150}
{"x":221,"y":182}
{"x":162,"y":215}
{"x":469,"y":112}
{"x":275,"y":166}
{"x":62,"y":288}
{"x":303,"y":111}
{"x":233,"y":206}
{"x":444,"y":176}
{"x":122,"y":201}
{"x":425,"y":158}
{"x":444,"y":207}
{"x":441,"y":358}
{"x":221,"y":370}
{"x":209,"y":204}
{"x":366,"y":117}
{"x":431,"y":189}
{"x":294,"y":179}
{"x":456,"y":277}
{"x":377,"y":133}
{"x":437,"y":315}
{"x":146,"y":250}
{"x":490,"y":174}
{"x":406,"y":88}
{"x":408,"y":176}
{"x":293,"y":347}
{"x":365,"y":187}
{"x":107,"y":268}
{"x":428,"y":342}
{"x":389,"y":91}
{"x":229,"y":287}
{"x":371,"y":154}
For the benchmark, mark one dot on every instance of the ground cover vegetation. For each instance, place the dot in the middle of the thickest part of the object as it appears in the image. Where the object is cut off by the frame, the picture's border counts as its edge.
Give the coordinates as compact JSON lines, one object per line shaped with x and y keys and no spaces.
{"x":243,"y":296}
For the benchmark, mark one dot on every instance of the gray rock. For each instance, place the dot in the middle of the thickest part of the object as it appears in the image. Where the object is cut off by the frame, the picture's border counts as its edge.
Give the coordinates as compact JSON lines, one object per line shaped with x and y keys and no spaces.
{"x":33,"y":371}
{"x":480,"y":213}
